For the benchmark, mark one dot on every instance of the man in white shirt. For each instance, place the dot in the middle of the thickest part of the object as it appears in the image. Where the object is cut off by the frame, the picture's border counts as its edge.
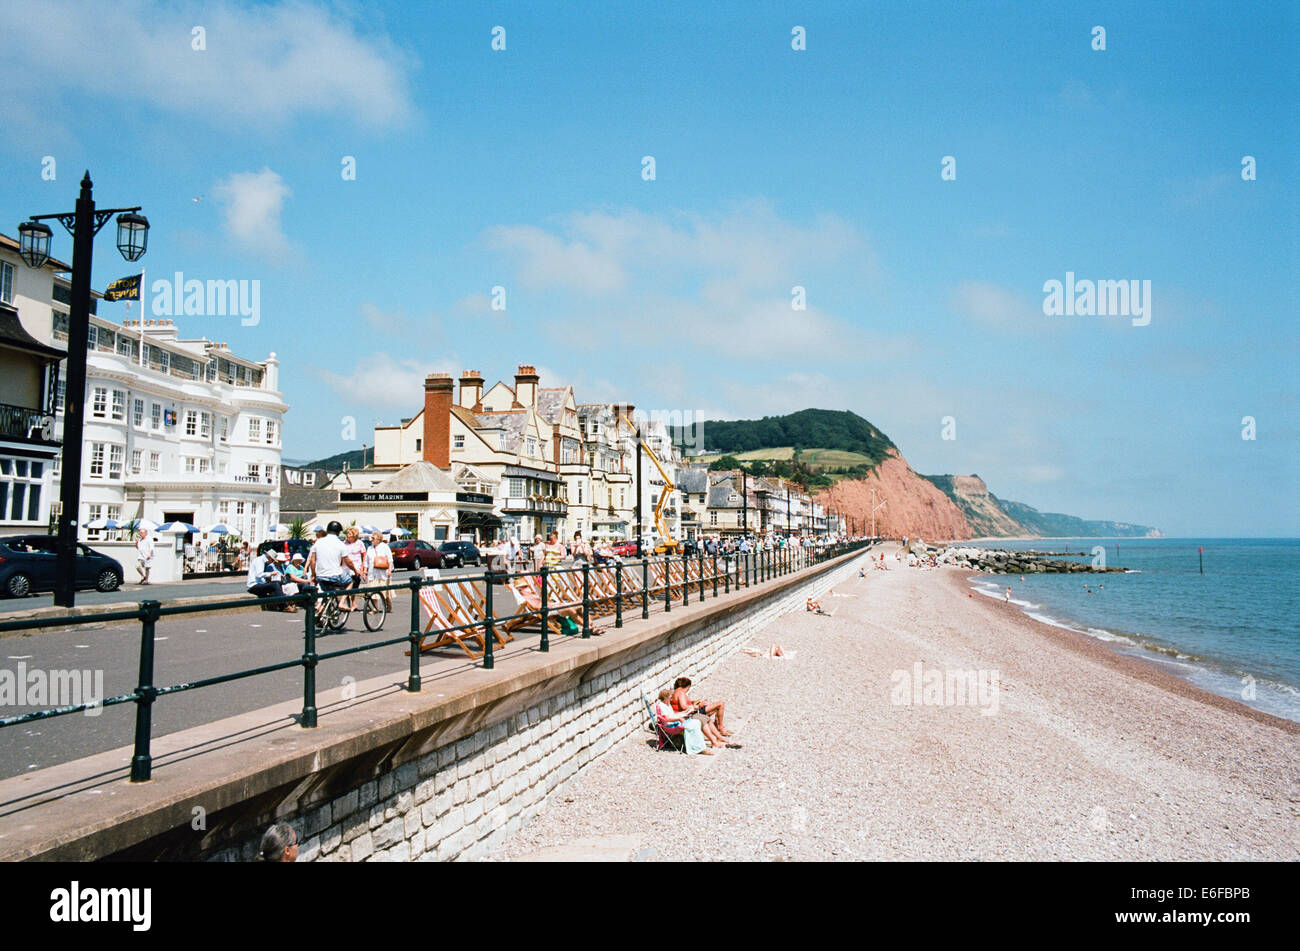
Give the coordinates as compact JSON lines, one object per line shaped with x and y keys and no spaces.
{"x":329,"y":562}
{"x":143,"y":556}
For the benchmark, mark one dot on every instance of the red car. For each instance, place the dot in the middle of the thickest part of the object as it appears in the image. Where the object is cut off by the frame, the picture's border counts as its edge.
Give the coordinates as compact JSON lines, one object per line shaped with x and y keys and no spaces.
{"x":414,"y":553}
{"x":625,"y":550}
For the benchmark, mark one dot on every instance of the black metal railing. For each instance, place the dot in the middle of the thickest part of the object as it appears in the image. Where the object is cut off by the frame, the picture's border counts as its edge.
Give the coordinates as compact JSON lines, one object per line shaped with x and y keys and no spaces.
{"x":584,"y":591}
{"x":25,"y":424}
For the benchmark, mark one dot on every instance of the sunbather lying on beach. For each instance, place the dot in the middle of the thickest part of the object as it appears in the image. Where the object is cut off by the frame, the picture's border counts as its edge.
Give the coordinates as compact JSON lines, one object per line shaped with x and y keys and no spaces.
{"x":815,"y":607}
{"x":775,"y":652}
{"x":703,"y":710}
{"x":832,"y":593}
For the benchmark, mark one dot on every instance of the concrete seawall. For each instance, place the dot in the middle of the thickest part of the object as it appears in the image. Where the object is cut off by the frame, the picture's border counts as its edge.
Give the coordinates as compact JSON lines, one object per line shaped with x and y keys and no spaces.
{"x":389,"y":775}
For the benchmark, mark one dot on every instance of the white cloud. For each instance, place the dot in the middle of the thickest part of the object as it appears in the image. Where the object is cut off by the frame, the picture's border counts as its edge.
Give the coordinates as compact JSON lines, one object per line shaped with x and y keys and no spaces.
{"x":264,"y":64}
{"x":994,"y":306}
{"x":722,"y":282}
{"x":251,"y":203}
{"x":379,"y":381}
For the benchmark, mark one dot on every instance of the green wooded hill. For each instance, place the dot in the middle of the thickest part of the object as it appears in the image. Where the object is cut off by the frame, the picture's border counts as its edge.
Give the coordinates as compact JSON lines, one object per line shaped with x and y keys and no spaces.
{"x":822,"y":429}
{"x":353,"y":458}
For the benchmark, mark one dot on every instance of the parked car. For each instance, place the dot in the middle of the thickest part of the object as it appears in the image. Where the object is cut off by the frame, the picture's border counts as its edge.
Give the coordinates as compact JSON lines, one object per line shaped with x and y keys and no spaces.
{"x":297,"y":546}
{"x":27,"y":564}
{"x":414,"y":553}
{"x":460,"y":554}
{"x":625,"y":549}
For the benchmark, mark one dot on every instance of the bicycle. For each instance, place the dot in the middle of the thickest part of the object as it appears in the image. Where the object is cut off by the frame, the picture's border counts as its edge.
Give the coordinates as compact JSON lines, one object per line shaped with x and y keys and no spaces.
{"x":332,"y":611}
{"x":374,"y":610}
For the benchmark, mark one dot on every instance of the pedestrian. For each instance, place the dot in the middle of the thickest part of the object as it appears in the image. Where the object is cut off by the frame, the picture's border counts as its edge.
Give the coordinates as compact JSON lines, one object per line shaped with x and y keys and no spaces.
{"x":143,"y":556}
{"x":538,"y":552}
{"x":553,"y":551}
{"x":579,"y":549}
{"x":379,"y":565}
{"x":279,"y":844}
{"x":357,"y":552}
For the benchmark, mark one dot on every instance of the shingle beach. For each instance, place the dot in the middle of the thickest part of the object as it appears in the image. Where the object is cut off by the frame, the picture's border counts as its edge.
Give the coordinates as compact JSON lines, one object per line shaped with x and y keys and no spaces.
{"x":1084,"y":753}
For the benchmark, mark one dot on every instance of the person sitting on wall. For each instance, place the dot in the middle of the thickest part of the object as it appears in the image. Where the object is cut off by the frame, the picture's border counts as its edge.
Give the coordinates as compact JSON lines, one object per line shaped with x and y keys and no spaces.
{"x":265,"y":580}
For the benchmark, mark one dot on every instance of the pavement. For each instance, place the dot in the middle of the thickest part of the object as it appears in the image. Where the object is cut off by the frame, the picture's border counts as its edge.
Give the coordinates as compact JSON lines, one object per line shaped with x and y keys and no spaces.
{"x":187,"y":647}
{"x":130,"y":595}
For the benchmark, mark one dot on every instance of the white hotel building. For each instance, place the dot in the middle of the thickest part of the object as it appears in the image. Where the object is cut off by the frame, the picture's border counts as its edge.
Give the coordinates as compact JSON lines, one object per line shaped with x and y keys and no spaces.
{"x":183,"y":431}
{"x":175,"y":430}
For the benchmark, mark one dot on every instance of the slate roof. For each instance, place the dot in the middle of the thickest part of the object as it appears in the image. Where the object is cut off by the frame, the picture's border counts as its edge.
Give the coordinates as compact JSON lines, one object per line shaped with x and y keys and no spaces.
{"x":418,"y":477}
{"x":694,"y":481}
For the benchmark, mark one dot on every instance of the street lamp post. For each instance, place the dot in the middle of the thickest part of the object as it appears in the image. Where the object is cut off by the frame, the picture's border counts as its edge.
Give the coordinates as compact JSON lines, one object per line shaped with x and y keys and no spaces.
{"x":34,"y":246}
{"x":639,"y":531}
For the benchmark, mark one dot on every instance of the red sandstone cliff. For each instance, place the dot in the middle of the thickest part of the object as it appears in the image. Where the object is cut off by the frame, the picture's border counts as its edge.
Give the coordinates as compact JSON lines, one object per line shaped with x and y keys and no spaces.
{"x":913,"y":506}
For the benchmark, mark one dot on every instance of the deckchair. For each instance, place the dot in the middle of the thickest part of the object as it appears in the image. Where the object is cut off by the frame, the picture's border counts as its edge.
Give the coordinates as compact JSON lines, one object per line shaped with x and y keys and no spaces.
{"x":665,"y":734}
{"x":528,"y":590}
{"x":442,"y":616}
{"x":470,"y":598}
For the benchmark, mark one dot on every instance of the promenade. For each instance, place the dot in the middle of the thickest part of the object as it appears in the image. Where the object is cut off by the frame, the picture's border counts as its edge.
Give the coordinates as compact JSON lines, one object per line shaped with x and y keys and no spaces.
{"x":1084,"y":755}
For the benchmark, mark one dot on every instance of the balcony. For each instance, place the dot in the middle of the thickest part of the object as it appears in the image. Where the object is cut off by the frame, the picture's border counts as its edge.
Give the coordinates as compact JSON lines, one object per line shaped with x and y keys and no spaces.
{"x":24,"y":424}
{"x":535,"y":507}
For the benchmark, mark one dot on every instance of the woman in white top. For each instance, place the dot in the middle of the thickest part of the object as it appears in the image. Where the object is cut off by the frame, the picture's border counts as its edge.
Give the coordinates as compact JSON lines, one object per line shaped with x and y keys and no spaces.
{"x":379,"y":565}
{"x":356,"y":550}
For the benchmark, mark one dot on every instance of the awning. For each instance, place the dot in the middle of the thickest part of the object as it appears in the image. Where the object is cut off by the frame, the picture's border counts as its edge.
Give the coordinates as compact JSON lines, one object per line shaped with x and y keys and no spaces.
{"x":520,"y":472}
{"x":478,"y":520}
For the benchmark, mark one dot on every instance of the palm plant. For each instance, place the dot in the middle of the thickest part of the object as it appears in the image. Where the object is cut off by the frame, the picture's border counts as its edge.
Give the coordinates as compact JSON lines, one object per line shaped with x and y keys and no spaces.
{"x":298,"y":528}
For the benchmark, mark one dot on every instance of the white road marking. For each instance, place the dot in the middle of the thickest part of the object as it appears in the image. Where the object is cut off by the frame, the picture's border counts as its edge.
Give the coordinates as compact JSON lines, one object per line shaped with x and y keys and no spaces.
{"x":254,"y":625}
{"x":81,"y":646}
{"x":156,"y":639}
{"x":23,"y":657}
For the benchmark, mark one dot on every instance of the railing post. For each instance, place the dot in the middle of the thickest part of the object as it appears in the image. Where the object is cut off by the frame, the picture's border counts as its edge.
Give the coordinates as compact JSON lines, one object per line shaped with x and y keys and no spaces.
{"x":413,"y":678}
{"x":142,"y":761}
{"x":715,"y":574}
{"x":668,"y":583}
{"x":618,"y":594}
{"x":702,"y":575}
{"x":686,"y":579}
{"x":546,"y":612}
{"x":645,"y":587}
{"x":489,"y":624}
{"x":726,"y":579}
{"x":309,"y":662}
{"x":586,"y":599}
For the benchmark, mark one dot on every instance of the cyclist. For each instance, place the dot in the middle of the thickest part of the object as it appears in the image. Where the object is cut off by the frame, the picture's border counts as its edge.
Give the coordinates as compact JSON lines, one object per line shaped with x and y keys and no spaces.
{"x":329,"y":561}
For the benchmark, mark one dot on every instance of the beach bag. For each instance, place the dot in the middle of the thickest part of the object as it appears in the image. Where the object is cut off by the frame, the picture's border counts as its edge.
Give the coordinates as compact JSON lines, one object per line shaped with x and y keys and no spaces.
{"x":290,"y":588}
{"x":569,"y":626}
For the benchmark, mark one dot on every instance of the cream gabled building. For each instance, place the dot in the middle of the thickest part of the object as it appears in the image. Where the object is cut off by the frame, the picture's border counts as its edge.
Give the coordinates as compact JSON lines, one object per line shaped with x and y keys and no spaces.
{"x":549,"y":462}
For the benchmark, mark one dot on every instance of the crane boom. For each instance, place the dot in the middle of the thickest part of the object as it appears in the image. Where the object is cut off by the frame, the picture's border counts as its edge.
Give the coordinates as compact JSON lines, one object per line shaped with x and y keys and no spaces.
{"x":667,"y":543}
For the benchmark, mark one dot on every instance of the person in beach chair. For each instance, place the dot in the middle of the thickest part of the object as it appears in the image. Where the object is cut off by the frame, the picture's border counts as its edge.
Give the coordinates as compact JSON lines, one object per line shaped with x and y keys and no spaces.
{"x":670,"y":726}
{"x":702,"y":710}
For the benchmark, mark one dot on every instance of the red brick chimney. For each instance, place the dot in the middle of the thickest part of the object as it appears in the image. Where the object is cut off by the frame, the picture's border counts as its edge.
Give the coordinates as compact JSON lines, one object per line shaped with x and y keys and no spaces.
{"x":437,"y":419}
{"x":526,"y":386}
{"x":471,"y":391}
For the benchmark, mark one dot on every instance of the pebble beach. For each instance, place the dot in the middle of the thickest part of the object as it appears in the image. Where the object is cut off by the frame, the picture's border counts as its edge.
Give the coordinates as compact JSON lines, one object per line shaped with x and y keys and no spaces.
{"x":853,"y":749}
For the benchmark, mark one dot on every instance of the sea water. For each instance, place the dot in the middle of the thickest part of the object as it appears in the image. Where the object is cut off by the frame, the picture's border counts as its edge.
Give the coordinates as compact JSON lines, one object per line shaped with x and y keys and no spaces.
{"x":1231,"y":630}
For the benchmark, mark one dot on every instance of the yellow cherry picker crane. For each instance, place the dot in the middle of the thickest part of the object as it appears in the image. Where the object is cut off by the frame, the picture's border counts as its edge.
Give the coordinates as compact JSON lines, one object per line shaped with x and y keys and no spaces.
{"x":666,"y":541}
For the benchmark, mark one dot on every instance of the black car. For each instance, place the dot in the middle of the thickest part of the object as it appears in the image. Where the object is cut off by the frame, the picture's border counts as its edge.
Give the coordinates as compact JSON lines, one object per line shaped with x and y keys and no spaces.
{"x":459,"y":554}
{"x":297,"y":546}
{"x":27,"y":564}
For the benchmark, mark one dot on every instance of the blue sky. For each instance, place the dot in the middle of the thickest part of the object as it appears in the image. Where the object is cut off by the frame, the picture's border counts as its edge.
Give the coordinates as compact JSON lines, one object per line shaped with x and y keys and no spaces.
{"x":820,"y":168}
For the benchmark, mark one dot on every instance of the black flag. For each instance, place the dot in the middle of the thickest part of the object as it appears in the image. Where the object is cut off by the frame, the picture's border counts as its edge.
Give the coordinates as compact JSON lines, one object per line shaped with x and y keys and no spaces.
{"x":128,"y":288}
